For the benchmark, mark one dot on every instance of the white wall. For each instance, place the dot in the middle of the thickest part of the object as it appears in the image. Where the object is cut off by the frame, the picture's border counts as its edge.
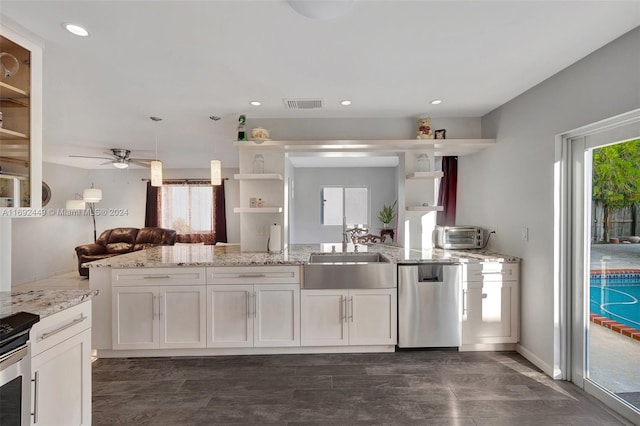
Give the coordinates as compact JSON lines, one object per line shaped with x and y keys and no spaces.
{"x":43,"y":247}
{"x":381,"y":181}
{"x":511,"y":185}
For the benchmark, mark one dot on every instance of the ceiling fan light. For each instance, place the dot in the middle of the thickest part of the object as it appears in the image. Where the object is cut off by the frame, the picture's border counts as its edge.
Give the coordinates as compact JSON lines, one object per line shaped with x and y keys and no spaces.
{"x":92,"y":195}
{"x":120,"y":164}
{"x":156,"y":173}
{"x":216,"y":172}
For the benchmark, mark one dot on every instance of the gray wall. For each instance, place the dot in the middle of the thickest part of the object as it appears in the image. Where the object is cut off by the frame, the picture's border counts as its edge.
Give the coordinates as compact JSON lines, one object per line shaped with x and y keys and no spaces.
{"x":382,"y":184}
{"x":511,"y":185}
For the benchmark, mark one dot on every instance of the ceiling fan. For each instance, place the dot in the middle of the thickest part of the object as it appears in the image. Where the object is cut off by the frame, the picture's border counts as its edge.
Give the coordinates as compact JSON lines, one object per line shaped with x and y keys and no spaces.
{"x":120,"y":158}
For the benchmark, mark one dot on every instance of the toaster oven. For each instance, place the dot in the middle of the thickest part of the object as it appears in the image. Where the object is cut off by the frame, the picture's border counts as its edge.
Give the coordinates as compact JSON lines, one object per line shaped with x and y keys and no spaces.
{"x":458,"y":237}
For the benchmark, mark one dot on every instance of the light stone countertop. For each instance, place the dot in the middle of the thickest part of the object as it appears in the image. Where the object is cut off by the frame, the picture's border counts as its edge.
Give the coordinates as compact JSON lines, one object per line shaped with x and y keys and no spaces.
{"x":228,"y":255}
{"x":43,"y":302}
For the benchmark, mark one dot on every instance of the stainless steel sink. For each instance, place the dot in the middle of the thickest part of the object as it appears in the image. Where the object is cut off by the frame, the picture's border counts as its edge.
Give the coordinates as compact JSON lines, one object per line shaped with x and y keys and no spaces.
{"x":349,"y":270}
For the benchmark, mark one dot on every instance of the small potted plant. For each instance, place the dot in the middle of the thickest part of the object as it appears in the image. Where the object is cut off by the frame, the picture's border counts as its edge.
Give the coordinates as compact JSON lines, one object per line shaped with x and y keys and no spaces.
{"x":387,"y":214}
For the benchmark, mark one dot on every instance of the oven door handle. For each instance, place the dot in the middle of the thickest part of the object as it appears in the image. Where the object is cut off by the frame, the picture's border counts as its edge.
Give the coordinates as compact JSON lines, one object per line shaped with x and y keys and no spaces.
{"x":13,"y":357}
{"x":64,"y":327}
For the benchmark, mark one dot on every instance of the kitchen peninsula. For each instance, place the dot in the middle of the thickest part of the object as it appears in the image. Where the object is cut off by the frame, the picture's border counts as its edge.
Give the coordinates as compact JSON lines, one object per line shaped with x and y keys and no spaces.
{"x":217,"y":300}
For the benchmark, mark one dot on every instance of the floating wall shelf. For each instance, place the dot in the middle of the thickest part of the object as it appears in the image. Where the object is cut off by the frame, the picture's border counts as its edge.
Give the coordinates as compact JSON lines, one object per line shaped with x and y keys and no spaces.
{"x":258,"y":176}
{"x":425,"y":175}
{"x":425,"y":209}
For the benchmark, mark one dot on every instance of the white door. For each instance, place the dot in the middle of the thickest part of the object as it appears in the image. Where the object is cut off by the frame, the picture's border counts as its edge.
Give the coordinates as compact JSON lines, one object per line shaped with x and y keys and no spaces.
{"x":62,"y":383}
{"x":134,"y":313}
{"x":230,"y":316}
{"x":276,"y":315}
{"x":323,"y":319}
{"x":372,"y":317}
{"x":183,"y":316}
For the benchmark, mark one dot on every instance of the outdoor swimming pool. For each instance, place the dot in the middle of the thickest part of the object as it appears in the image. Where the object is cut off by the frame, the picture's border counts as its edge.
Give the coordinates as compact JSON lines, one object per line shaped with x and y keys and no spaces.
{"x":618,"y":302}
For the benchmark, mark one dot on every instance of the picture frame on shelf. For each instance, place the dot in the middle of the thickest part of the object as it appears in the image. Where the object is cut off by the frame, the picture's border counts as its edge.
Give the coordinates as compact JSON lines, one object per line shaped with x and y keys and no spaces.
{"x":440,"y":134}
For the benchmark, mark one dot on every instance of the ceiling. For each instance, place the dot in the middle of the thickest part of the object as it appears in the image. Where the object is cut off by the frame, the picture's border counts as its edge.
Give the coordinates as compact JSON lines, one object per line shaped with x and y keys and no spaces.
{"x":185,"y":61}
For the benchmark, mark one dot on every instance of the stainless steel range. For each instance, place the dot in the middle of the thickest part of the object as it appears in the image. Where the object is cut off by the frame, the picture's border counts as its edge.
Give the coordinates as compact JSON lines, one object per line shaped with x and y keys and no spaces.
{"x":15,"y":369}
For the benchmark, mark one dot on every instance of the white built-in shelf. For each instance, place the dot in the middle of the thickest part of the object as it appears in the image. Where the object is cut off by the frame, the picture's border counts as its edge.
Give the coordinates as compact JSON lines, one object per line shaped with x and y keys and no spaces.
{"x":258,"y":176}
{"x":438,"y":147}
{"x":425,"y":209}
{"x":425,"y":175}
{"x":257,"y":210}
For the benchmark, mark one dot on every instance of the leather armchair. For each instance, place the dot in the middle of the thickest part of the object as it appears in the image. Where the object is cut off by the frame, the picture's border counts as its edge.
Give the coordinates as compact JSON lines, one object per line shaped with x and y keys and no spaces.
{"x":113,"y":242}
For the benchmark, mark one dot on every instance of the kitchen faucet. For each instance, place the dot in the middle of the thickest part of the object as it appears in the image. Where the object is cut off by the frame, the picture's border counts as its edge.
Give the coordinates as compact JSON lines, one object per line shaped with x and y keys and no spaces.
{"x":351,"y":234}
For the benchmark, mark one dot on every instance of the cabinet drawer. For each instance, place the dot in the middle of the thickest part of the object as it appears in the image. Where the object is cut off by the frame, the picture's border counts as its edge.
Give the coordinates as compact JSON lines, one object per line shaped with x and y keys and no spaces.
{"x":59,"y":327}
{"x":158,"y":276}
{"x":490,"y":271}
{"x":253,"y":275}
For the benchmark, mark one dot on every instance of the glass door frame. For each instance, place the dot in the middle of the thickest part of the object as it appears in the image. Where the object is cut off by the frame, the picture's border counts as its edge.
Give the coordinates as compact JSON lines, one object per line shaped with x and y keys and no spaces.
{"x":572,"y":216}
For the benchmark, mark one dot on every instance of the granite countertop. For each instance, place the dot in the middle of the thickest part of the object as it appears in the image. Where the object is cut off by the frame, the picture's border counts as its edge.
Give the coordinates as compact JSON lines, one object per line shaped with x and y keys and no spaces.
{"x":43,"y":302}
{"x":298,"y":254}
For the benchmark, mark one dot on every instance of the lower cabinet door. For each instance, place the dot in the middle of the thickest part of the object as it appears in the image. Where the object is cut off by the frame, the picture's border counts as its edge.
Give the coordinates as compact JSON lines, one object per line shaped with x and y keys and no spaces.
{"x":372,"y":316}
{"x":182,"y":316}
{"x":487,"y":313}
{"x":62,"y":383}
{"x":323,"y":317}
{"x":230,"y":316}
{"x":276,"y":315}
{"x":134,"y":313}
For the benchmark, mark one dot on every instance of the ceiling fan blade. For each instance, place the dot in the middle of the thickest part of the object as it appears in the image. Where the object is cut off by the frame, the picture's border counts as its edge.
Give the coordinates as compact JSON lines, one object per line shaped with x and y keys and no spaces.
{"x":146,"y":160}
{"x":139,"y":163}
{"x":90,"y":156}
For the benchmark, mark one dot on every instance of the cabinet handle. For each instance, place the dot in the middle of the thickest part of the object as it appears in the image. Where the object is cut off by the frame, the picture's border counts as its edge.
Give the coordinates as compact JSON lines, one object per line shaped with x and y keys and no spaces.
{"x":255,"y":305}
{"x":153,"y":277}
{"x":345,"y":308}
{"x":464,"y":302}
{"x":248,"y":305}
{"x":252,"y":276}
{"x":351,"y":311}
{"x":64,"y":327}
{"x":35,"y":397}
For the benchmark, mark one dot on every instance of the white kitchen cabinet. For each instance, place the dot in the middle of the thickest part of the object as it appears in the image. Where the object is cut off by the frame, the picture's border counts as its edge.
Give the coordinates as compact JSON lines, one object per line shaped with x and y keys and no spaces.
{"x":61,"y":368}
{"x":153,"y":317}
{"x":490,"y":303}
{"x":349,"y":317}
{"x":253,"y":307}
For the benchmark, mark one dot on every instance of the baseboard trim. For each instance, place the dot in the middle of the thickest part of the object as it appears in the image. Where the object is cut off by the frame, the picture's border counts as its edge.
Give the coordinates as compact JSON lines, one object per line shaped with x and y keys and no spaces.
{"x":535,"y":360}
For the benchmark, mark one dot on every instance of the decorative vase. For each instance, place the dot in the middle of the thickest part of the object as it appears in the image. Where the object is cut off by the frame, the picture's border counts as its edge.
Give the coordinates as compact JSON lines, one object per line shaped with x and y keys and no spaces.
{"x":385,"y":225}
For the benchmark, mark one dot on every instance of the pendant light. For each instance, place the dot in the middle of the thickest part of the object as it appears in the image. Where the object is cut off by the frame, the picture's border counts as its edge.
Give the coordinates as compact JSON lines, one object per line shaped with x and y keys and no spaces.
{"x":156,"y":165}
{"x":216,"y":166}
{"x":216,"y":172}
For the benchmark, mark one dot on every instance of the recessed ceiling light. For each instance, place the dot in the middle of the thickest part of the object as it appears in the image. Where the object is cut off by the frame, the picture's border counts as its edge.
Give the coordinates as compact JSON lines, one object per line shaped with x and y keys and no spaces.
{"x":436,"y":102}
{"x":255,"y":103}
{"x":75,"y":29}
{"x":345,"y":102}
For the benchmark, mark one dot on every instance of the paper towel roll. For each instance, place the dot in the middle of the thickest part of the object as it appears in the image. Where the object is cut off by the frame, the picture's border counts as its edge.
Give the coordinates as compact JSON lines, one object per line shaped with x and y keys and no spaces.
{"x":275,"y":239}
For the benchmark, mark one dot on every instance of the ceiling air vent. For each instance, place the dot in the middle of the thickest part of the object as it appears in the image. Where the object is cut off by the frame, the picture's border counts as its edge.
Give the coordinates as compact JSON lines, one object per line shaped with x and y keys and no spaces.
{"x":303,"y":103}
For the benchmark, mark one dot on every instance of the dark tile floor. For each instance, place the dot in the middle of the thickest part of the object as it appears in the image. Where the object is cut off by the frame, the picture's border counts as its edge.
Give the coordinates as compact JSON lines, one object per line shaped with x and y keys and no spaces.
{"x":404,"y":388}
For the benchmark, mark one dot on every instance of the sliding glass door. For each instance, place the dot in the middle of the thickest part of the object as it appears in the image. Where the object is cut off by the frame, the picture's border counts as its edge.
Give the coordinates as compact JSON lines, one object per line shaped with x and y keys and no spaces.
{"x":604,"y":266}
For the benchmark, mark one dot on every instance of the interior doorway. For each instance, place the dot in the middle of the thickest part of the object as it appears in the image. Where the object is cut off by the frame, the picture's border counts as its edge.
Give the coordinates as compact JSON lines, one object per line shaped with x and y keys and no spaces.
{"x":590,"y":353}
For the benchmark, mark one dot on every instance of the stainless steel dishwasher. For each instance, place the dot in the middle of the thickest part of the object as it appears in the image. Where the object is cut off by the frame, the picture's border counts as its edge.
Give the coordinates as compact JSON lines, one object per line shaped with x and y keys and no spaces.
{"x":429,"y":305}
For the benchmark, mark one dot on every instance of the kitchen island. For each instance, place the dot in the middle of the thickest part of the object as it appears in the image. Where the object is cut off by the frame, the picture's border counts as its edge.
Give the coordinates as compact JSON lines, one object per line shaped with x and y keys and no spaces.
{"x":217,"y":300}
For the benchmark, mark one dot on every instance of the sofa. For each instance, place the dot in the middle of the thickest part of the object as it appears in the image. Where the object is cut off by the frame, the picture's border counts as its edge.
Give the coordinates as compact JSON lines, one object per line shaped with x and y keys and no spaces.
{"x":113,"y":242}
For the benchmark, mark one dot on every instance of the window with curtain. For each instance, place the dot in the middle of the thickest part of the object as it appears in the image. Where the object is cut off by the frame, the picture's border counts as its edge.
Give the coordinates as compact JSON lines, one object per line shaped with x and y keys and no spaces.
{"x":187,"y":208}
{"x":194,"y":208}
